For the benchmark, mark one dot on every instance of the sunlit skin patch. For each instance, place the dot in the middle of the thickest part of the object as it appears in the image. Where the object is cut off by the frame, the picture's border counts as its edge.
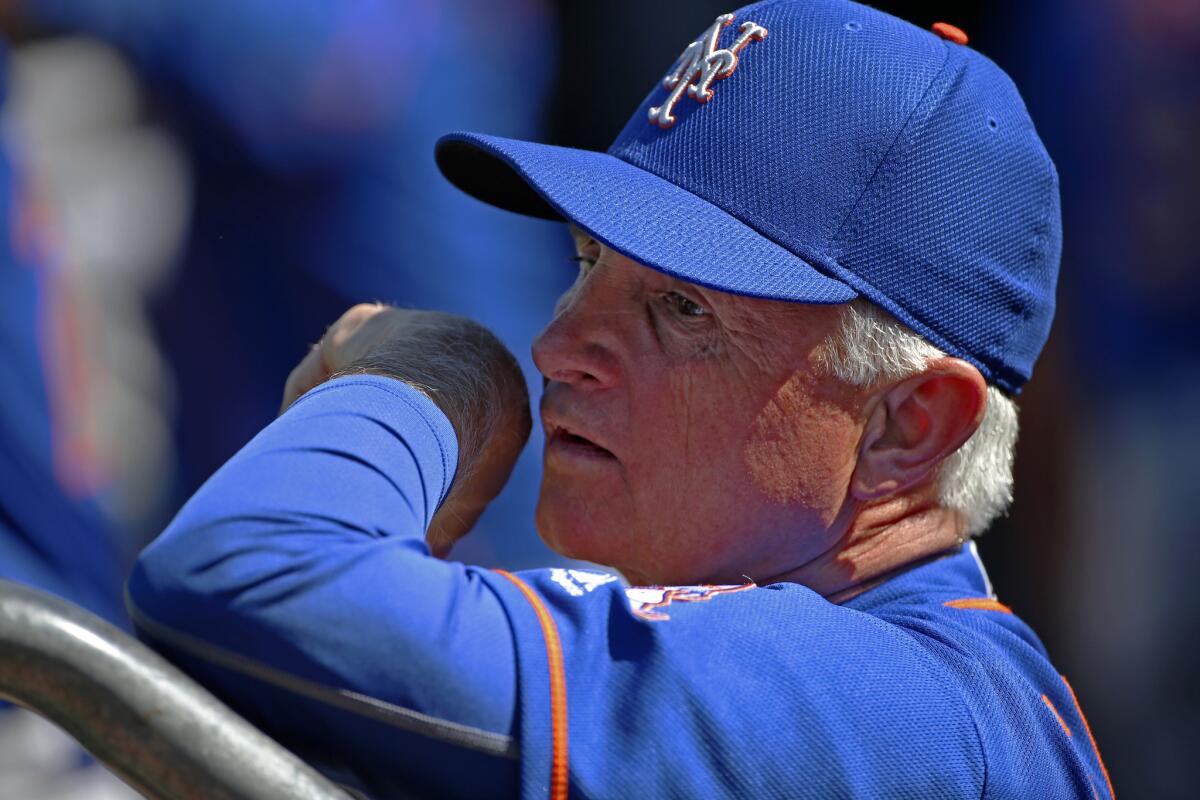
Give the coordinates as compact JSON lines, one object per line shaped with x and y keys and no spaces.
{"x":793,"y":425}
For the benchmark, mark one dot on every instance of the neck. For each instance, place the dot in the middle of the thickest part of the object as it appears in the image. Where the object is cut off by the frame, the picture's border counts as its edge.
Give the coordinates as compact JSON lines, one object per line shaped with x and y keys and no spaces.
{"x":881,"y":539}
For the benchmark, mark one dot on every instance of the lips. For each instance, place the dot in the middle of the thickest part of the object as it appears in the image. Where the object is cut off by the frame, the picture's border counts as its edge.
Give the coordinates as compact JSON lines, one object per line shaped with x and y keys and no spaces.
{"x":563,"y":439}
{"x":567,"y":435}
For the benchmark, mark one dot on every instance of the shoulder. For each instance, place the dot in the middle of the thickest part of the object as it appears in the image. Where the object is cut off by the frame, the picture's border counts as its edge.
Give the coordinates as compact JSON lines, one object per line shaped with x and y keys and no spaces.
{"x":797,"y":690}
{"x":1034,"y":736}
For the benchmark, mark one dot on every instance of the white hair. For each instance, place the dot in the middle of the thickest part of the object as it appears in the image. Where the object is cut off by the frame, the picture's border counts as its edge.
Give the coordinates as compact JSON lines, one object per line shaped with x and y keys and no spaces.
{"x":976,"y":480}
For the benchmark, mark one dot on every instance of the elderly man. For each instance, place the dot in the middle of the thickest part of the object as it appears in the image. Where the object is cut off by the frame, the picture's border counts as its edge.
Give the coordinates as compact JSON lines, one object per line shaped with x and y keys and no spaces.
{"x":814,"y":269}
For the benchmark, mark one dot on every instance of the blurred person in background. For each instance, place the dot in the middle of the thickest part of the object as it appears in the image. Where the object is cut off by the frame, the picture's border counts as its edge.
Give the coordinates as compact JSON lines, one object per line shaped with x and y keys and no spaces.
{"x":297,"y":174}
{"x":76,"y":412}
{"x":309,"y":130}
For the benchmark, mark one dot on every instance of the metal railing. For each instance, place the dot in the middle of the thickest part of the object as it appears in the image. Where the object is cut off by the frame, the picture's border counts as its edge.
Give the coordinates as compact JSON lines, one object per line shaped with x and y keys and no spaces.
{"x":144,"y":719}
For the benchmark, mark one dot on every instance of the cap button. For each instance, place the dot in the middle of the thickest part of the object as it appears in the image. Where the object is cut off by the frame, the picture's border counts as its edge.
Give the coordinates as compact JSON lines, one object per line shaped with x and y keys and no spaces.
{"x":950,"y":32}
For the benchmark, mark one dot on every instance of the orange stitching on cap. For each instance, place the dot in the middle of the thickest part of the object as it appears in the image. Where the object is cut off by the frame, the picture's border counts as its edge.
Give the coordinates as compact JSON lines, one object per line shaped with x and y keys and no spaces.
{"x":1091,"y":738}
{"x":558,"y":690}
{"x":1057,"y":715}
{"x":979,"y":604}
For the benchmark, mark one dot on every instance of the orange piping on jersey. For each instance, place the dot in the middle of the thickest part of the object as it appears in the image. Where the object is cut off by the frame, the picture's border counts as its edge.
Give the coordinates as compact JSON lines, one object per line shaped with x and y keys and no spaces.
{"x":1057,"y":715}
{"x":558,"y":689}
{"x":1091,"y":738}
{"x":979,"y":603}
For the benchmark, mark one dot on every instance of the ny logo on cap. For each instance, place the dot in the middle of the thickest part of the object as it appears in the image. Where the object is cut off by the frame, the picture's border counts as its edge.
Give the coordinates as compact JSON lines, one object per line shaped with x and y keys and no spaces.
{"x":701,"y":64}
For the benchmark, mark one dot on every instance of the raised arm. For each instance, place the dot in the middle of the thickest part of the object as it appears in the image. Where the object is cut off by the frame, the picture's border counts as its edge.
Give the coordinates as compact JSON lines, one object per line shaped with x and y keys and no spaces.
{"x":298,"y":581}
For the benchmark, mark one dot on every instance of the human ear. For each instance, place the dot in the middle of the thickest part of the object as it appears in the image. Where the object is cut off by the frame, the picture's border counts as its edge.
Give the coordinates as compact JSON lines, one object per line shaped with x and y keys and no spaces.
{"x":915,"y":425}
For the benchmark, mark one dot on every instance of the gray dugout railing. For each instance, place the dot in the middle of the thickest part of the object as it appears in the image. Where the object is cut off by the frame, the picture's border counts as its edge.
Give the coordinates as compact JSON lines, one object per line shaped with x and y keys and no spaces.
{"x":156,"y":728}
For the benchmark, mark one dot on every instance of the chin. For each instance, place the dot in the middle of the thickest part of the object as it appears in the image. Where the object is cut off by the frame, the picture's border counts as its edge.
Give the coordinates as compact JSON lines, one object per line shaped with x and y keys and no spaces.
{"x":562,"y":531}
{"x":607,"y":541}
{"x":570,"y":528}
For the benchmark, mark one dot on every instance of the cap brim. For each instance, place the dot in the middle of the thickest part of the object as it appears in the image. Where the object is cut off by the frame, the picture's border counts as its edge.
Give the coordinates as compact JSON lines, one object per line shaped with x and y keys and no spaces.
{"x":635,"y":212}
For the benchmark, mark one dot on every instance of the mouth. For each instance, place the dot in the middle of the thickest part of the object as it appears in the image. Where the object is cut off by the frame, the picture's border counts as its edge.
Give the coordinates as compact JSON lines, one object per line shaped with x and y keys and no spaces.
{"x":569,"y":444}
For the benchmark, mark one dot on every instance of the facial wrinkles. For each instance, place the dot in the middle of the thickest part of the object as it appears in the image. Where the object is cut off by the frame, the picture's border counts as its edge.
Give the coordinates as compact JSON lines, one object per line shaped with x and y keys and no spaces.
{"x":755,"y":327}
{"x":671,"y":360}
{"x":691,"y":428}
{"x":613,"y":297}
{"x":687,"y":389}
{"x":756,"y":353}
{"x":592,"y":294}
{"x":794,"y":419}
{"x":707,"y":377}
{"x":792,"y":449}
{"x":703,"y":369}
{"x":665,"y":388}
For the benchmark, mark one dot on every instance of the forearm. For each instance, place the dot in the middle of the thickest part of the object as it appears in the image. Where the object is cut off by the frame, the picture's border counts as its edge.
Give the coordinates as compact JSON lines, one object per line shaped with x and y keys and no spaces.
{"x":305,"y":554}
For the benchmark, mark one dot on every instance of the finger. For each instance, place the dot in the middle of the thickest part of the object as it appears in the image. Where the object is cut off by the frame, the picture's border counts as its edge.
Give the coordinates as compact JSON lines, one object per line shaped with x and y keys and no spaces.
{"x":342,"y":332}
{"x":311,"y":371}
{"x":328,"y":355}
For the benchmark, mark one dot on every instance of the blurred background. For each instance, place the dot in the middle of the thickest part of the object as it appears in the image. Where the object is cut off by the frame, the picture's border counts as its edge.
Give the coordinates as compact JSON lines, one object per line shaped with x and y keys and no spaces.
{"x":193,"y":191}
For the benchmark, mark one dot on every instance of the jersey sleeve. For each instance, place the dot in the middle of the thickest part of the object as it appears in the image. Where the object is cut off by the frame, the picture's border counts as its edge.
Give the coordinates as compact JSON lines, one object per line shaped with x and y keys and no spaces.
{"x":297,"y":584}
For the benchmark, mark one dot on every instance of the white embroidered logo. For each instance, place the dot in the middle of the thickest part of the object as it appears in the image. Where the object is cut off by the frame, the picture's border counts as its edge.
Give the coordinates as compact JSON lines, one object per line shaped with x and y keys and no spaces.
{"x":578,"y":581}
{"x":701,"y":64}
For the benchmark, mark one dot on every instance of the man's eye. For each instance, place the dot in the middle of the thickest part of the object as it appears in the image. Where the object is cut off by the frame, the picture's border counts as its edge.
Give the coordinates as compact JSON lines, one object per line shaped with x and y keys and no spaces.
{"x":683,"y":306}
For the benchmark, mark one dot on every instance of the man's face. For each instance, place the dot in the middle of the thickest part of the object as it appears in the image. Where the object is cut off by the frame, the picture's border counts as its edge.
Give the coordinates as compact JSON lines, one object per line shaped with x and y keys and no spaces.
{"x":691,"y":435}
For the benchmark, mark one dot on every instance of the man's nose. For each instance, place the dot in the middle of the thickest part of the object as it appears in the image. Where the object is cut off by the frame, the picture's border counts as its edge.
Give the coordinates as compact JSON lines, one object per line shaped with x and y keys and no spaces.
{"x":578,"y":346}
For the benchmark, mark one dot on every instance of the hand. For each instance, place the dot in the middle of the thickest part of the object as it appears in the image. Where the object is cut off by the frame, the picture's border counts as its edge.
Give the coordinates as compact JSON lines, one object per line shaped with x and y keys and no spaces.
{"x":462,"y":367}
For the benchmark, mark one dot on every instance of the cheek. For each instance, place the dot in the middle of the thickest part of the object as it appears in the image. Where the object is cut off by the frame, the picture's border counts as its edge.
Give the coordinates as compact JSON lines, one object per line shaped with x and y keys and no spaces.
{"x":801,"y":449}
{"x":682,"y":436}
{"x":689,"y":487}
{"x":657,"y":512}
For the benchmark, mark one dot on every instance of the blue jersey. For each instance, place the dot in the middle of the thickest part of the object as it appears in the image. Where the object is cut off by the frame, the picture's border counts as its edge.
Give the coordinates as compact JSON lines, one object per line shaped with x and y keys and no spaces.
{"x":297,"y":585}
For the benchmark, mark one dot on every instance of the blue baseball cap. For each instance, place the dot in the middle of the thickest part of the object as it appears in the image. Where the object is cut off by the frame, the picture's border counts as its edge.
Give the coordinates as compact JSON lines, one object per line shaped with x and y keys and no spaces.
{"x":816,"y":151}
